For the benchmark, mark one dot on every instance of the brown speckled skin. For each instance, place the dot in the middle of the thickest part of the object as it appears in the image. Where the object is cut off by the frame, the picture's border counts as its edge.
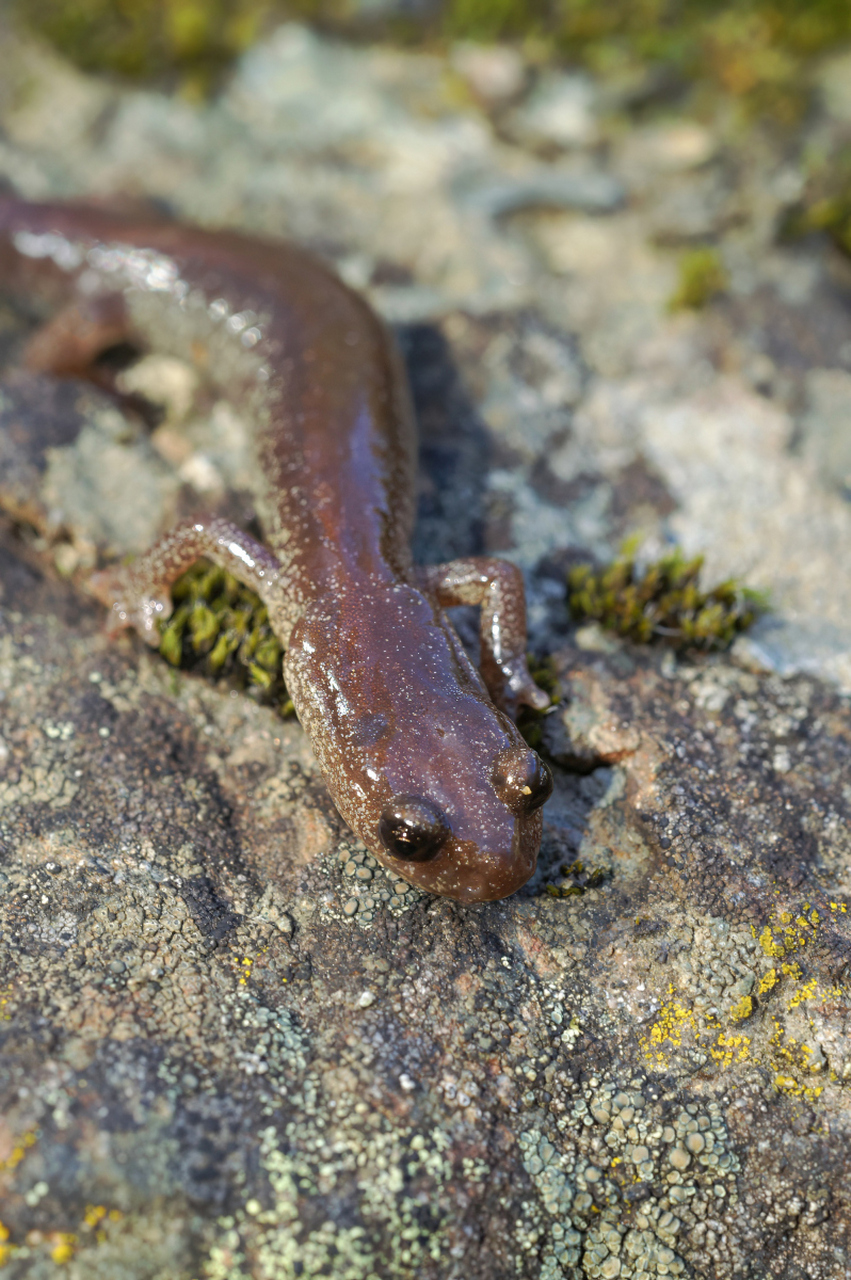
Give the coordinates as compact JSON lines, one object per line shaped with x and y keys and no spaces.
{"x":378,"y":676}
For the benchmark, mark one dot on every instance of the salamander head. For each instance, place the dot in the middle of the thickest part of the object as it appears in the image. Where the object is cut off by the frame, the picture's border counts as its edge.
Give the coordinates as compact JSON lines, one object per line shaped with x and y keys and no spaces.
{"x":436,"y":781}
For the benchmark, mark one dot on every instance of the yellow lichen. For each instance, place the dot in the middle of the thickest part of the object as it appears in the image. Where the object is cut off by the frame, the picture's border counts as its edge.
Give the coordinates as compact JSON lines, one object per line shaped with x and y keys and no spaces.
{"x":667,"y":1031}
{"x":769,"y":946}
{"x":18,"y":1152}
{"x":767,"y":981}
{"x":793,"y":1089}
{"x":63,"y":1247}
{"x":807,"y":992}
{"x":729,"y":1049}
{"x":742,"y":1009}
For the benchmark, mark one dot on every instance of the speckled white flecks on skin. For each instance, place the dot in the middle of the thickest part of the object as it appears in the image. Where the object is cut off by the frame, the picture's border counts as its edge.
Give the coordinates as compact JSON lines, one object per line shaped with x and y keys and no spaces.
{"x":439,"y":737}
{"x":334,"y":438}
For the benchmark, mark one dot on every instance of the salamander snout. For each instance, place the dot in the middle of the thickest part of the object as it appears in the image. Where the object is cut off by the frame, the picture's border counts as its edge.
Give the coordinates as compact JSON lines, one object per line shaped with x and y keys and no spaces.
{"x":412,"y":829}
{"x":521,"y":779}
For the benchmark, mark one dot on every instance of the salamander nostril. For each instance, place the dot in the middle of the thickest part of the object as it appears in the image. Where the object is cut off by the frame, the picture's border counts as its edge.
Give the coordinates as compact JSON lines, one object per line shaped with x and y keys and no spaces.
{"x":521,"y":779}
{"x":412,"y":828}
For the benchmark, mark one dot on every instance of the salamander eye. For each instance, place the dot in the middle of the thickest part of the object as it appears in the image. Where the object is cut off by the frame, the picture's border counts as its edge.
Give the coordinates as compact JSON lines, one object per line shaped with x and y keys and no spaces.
{"x":521,"y":779}
{"x":412,"y":828}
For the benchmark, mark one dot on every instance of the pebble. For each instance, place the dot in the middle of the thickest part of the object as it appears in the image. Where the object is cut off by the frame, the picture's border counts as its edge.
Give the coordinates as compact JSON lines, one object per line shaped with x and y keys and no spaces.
{"x":560,"y":112}
{"x":495,"y":73}
{"x":592,"y":191}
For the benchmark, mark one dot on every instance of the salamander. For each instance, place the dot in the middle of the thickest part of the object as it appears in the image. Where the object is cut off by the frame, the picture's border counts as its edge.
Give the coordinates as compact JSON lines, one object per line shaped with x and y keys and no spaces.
{"x":418,"y":748}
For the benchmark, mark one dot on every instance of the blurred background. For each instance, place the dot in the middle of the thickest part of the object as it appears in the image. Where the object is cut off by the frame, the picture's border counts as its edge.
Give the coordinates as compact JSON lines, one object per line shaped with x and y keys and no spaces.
{"x":762,"y":56}
{"x":759,"y":51}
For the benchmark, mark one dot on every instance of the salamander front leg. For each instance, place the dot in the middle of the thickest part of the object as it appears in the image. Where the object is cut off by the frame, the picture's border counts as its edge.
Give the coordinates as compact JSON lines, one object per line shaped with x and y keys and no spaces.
{"x":497,"y":586}
{"x":138,"y":593}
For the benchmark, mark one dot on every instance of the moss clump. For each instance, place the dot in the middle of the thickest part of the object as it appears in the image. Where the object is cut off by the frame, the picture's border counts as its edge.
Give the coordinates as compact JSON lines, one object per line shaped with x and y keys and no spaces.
{"x":702,"y":277}
{"x":578,"y":878}
{"x":222,"y":628}
{"x":146,"y":39}
{"x":664,"y":602}
{"x":757,"y":50}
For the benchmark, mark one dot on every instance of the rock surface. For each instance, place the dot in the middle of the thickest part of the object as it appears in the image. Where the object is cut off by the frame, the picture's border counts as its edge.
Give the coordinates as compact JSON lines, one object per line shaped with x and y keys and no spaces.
{"x":232,"y":1046}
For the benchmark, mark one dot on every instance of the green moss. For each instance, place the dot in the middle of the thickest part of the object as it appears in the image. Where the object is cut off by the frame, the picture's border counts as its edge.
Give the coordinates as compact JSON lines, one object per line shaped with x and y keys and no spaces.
{"x":578,"y":878}
{"x":222,"y":628}
{"x":488,"y":20}
{"x":701,"y":277}
{"x":664,"y":602}
{"x":145,"y":39}
{"x":826,"y":204}
{"x":754,"y":49}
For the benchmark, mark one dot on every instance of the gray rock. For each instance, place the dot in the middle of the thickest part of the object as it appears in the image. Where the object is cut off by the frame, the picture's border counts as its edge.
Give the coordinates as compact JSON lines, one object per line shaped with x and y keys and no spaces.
{"x":826,"y":427}
{"x":560,"y":111}
{"x":495,"y":73}
{"x":591,"y":191}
